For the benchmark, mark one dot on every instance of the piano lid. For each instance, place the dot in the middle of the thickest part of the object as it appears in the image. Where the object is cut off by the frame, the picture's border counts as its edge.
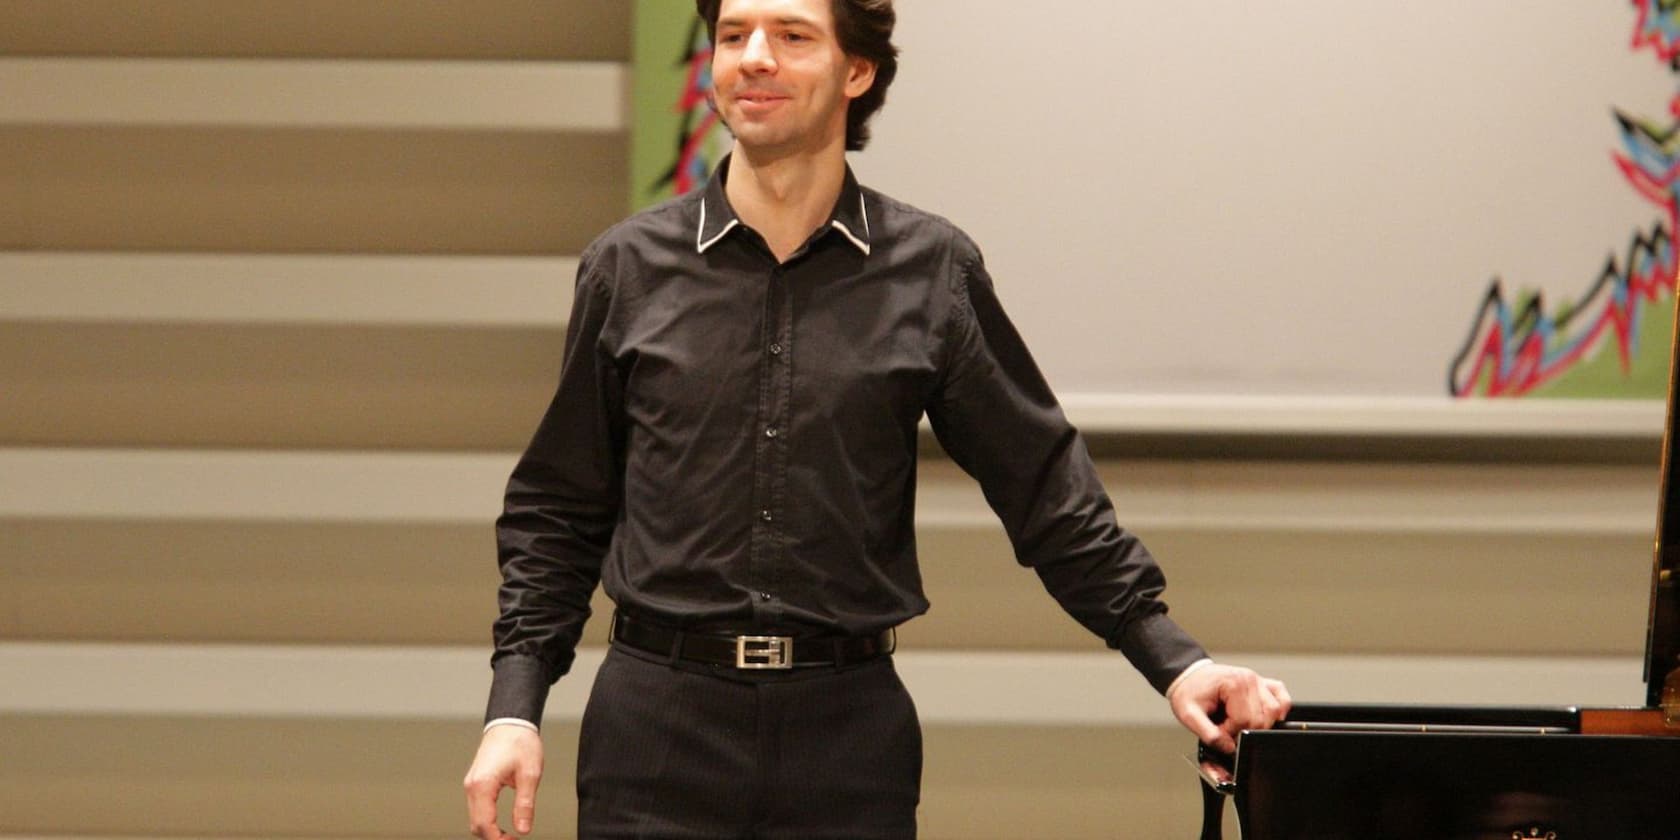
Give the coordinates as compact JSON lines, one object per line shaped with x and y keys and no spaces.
{"x":1662,"y":641}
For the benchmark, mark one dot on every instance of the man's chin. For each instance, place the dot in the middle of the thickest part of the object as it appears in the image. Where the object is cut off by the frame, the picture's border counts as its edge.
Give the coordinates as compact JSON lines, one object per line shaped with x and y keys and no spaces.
{"x":760,"y":132}
{"x":764,"y":142}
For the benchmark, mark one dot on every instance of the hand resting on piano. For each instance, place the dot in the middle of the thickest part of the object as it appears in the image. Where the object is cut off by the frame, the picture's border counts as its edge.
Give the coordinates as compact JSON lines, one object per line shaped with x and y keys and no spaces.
{"x":1215,"y":702}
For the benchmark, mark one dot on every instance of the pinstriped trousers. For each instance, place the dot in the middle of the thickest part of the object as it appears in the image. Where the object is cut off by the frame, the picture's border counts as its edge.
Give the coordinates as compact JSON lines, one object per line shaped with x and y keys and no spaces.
{"x":679,"y":750}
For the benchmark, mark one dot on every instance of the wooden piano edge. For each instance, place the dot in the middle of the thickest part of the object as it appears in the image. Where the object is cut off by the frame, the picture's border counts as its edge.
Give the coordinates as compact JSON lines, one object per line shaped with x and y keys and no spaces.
{"x":1635,"y":720}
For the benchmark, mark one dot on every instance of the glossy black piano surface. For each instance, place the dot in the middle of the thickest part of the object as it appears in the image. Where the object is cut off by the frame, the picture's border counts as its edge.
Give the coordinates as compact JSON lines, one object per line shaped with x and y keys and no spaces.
{"x":1460,"y":773}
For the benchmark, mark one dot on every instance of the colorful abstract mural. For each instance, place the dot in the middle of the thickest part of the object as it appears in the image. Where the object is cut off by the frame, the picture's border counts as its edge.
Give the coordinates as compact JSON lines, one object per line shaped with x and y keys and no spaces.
{"x":677,"y":136}
{"x":1524,"y":345}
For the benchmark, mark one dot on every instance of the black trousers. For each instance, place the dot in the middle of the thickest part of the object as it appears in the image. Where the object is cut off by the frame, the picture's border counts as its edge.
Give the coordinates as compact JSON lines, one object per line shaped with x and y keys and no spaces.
{"x":677,"y":750}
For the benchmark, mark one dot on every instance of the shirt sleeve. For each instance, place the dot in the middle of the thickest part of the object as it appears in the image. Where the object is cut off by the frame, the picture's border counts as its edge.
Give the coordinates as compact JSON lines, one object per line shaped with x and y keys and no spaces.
{"x":558,"y":516}
{"x":997,"y":418}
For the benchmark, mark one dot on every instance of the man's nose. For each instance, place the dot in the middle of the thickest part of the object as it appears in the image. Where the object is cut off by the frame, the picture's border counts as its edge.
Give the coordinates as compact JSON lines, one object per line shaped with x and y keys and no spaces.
{"x":757,"y":57}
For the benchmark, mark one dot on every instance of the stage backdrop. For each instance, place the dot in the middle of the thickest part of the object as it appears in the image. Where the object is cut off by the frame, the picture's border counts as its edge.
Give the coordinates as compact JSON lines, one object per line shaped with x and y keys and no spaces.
{"x":1302,"y":198}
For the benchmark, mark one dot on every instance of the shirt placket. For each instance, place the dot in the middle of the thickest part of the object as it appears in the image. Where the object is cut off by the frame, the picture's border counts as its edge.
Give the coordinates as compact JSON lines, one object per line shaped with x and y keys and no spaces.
{"x":771,"y":449}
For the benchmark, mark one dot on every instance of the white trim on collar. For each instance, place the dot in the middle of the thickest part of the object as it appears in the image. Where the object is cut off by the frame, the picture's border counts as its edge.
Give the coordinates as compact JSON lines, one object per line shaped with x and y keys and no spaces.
{"x":863,"y":213}
{"x":841,"y":226}
{"x":700,"y":244}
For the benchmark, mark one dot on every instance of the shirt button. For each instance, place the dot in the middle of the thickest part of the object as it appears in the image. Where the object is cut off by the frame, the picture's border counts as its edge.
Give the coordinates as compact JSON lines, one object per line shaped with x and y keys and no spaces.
{"x":776,"y":349}
{"x":770,"y":432}
{"x":765,"y":515}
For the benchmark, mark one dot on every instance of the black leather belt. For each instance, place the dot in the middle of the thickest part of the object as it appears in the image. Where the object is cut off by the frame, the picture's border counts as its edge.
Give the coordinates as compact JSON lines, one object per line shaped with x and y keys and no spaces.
{"x":751,"y":652}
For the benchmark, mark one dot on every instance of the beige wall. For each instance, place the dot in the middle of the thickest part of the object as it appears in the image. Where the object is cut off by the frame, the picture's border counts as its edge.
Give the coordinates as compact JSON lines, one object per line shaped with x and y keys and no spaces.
{"x":1200,"y":175}
{"x":264,"y":370}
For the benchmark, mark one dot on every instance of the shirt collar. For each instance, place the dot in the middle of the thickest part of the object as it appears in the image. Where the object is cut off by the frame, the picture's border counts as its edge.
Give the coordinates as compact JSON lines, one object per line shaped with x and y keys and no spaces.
{"x":850,"y":215}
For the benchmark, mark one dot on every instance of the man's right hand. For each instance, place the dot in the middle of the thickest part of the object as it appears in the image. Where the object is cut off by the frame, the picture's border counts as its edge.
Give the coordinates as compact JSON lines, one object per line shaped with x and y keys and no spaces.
{"x":508,"y":756}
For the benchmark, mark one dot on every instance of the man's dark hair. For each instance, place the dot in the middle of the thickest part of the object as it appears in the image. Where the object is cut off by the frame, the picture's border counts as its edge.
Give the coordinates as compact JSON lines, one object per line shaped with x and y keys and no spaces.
{"x":864,"y":29}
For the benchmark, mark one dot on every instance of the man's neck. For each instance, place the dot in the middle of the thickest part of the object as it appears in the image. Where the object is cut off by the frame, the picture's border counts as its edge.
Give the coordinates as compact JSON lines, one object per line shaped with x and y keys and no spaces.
{"x":785,"y":197}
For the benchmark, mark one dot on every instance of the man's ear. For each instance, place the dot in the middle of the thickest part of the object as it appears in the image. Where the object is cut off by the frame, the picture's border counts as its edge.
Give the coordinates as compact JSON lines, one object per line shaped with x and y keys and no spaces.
{"x":860,"y":76}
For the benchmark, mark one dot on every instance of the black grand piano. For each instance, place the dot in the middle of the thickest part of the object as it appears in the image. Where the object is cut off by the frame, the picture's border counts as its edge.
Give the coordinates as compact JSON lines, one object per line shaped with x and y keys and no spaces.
{"x":1330,"y":772}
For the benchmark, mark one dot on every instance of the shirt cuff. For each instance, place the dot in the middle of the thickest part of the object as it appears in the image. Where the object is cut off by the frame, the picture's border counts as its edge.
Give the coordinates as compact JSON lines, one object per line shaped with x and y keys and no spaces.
{"x":1158,"y":648}
{"x":1173,"y":686}
{"x":518,"y":689}
{"x":513,"y":722}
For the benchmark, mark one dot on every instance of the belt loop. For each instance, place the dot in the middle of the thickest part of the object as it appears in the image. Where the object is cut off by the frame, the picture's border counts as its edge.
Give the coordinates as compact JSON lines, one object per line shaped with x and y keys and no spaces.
{"x":676,"y":647}
{"x":839,"y":653}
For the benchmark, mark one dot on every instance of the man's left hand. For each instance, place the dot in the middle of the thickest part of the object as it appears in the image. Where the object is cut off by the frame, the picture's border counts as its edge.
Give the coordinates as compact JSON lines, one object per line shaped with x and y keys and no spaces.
{"x":1249,"y":701}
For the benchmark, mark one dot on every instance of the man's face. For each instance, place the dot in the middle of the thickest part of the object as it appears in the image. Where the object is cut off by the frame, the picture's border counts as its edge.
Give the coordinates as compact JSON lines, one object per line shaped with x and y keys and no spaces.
{"x":780,"y":79}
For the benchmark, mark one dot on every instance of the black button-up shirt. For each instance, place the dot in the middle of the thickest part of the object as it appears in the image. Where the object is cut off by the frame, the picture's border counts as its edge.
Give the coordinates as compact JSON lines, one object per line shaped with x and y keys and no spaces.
{"x":733,"y":442}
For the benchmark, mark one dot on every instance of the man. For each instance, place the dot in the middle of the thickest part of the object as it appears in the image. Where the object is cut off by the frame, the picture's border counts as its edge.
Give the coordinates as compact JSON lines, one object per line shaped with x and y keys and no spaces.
{"x":731,"y":451}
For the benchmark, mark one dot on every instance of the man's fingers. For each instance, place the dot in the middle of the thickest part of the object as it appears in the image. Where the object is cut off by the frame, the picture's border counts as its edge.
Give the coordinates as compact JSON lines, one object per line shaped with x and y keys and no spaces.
{"x":1220,"y":736}
{"x":1232,"y":726}
{"x":1270,"y":703}
{"x":508,"y":756}
{"x":1256,"y":697}
{"x":1196,"y":720}
{"x":525,"y":800}
{"x":1260,"y":702}
{"x":1280,"y":692}
{"x":1237,"y":697}
{"x":1248,"y":700}
{"x":481,"y":807}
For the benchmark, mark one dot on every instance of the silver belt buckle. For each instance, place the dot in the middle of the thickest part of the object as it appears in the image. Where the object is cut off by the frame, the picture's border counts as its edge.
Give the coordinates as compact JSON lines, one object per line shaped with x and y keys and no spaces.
{"x":763,"y":652}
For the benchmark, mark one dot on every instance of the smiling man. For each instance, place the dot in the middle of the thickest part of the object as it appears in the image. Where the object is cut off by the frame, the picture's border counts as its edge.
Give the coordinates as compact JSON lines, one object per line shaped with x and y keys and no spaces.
{"x":731,"y":453}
